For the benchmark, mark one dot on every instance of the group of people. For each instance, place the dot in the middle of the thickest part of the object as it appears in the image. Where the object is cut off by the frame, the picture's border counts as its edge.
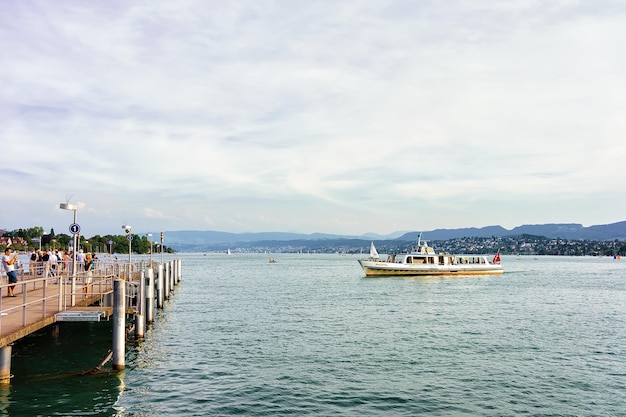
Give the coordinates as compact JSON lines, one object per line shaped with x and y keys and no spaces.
{"x":50,"y":263}
{"x":57,"y":261}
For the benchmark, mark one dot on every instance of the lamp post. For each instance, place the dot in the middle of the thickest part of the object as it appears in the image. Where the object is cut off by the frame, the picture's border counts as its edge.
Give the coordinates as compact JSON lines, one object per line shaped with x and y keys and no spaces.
{"x":161,"y":248}
{"x":127,"y":229}
{"x":150,"y":239}
{"x":74,"y":229}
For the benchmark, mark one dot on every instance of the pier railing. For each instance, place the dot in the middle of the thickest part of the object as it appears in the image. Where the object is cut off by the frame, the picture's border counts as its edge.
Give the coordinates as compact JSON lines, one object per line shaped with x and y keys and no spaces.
{"x":38,"y":298}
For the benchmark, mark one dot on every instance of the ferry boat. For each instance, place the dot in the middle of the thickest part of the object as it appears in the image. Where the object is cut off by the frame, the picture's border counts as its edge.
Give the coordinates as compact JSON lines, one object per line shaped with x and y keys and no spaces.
{"x":422,"y":260}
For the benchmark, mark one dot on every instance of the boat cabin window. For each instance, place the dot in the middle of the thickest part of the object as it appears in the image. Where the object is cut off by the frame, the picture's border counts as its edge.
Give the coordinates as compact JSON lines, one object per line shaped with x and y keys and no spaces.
{"x":472,"y":260}
{"x":418,"y":260}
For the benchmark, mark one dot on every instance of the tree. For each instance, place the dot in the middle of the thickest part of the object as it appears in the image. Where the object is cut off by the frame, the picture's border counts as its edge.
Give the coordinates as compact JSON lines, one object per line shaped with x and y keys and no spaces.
{"x":33,"y":232}
{"x":64,"y":240}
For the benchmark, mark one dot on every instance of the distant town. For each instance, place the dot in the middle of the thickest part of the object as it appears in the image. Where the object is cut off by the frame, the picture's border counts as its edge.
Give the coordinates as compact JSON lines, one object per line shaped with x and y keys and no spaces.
{"x":515,"y":245}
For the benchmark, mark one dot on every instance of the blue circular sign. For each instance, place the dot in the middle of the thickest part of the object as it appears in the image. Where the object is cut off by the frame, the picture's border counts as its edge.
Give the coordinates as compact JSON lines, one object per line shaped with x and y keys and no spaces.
{"x":129,"y":237}
{"x":74,"y":228}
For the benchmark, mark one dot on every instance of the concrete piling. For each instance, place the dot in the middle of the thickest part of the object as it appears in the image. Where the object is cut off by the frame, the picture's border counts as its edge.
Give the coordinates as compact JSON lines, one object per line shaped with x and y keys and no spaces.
{"x":140,"y":315}
{"x":160,"y":286}
{"x":119,"y":324}
{"x":168,"y":272}
{"x":5,"y":364}
{"x":150,"y":293}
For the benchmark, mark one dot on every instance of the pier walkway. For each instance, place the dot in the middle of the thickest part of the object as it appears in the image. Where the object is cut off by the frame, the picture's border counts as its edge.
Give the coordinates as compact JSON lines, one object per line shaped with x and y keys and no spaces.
{"x":38,"y":302}
{"x":114,"y":290}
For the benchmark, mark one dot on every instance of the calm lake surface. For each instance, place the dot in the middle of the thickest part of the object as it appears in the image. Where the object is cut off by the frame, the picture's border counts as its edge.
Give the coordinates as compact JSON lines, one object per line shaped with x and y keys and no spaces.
{"x":310,"y":335}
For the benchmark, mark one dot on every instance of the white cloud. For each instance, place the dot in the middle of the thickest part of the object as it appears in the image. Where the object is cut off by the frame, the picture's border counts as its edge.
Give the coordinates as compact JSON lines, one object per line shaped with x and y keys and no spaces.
{"x":335,"y":117}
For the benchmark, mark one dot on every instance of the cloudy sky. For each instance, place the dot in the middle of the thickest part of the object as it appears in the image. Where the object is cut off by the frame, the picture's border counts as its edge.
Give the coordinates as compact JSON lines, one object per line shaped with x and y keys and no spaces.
{"x":328,"y":116}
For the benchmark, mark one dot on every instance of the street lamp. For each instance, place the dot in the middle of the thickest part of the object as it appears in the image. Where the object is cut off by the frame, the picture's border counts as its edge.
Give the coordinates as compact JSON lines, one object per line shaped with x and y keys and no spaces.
{"x":150,"y":239}
{"x":161,"y":248}
{"x":158,"y":246}
{"x":127,"y":229}
{"x":74,"y":228}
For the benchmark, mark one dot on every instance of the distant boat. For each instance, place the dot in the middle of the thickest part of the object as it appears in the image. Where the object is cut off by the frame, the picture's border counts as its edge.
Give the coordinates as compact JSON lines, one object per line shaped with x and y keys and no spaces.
{"x":228,"y":252}
{"x":271,"y":260}
{"x":424,"y":261}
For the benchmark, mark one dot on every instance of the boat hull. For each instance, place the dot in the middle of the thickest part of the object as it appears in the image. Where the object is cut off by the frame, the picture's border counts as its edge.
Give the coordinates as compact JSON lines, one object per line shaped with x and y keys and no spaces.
{"x":385,"y":269}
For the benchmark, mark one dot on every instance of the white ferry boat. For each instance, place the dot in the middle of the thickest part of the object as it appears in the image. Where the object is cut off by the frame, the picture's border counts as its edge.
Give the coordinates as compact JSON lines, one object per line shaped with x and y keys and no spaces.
{"x":424,"y":261}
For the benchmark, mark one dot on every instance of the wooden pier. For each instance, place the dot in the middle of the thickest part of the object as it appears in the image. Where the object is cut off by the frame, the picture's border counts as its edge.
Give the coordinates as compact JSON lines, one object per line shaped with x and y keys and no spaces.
{"x":115,"y":291}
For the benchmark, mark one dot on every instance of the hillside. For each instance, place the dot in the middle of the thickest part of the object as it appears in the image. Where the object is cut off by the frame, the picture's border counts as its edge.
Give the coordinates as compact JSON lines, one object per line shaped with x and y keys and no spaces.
{"x":188,"y":239}
{"x":572,"y":231}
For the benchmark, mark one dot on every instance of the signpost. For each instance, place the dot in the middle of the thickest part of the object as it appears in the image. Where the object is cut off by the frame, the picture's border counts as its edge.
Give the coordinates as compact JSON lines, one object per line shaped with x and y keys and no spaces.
{"x":74,"y":228}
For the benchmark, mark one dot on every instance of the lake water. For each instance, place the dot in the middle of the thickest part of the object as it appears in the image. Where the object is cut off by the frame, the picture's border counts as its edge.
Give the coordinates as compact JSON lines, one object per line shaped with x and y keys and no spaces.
{"x":310,"y":335}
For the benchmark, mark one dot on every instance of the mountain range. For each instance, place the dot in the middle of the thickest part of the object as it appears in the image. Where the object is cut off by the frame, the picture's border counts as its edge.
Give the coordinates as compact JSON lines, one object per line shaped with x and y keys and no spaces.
{"x":570,"y":231}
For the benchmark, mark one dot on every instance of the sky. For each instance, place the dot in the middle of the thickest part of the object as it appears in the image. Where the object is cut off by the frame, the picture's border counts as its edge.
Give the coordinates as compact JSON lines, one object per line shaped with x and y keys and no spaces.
{"x":343,"y":117}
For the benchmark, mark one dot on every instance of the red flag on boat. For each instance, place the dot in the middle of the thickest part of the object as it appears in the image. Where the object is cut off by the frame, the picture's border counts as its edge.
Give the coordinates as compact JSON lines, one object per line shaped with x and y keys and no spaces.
{"x":496,"y":259}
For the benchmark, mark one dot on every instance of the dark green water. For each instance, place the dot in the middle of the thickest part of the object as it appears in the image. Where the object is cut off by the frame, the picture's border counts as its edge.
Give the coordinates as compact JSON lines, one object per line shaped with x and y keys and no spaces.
{"x":310,"y":335}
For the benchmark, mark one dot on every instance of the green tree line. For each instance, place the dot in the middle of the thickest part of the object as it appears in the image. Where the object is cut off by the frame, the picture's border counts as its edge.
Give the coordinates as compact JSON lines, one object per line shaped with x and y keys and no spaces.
{"x":36,"y":238}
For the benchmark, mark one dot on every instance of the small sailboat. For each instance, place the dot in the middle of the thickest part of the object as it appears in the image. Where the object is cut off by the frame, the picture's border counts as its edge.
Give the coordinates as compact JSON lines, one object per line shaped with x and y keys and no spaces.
{"x":373,"y":252}
{"x":270,"y":259}
{"x":228,"y":252}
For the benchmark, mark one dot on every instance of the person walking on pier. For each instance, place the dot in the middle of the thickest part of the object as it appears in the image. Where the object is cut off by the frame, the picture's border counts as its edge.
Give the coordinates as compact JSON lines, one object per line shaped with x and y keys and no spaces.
{"x":80,"y":260}
{"x":32,"y":266}
{"x":66,"y":260}
{"x":9,"y":268}
{"x":89,"y":264}
{"x":52,"y":263}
